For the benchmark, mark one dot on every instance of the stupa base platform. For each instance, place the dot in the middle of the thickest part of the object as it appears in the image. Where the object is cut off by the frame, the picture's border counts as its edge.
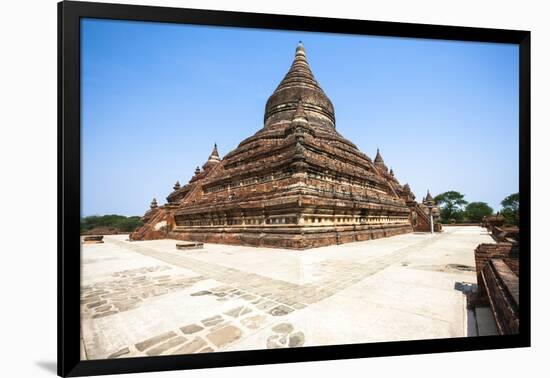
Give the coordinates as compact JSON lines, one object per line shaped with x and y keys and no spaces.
{"x":289,"y":238}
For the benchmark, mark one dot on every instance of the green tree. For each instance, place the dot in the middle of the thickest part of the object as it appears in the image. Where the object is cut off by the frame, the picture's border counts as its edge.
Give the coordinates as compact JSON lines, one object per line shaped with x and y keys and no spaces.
{"x":120,"y":222}
{"x":475,"y":211}
{"x":510,"y":209}
{"x":452,"y":204}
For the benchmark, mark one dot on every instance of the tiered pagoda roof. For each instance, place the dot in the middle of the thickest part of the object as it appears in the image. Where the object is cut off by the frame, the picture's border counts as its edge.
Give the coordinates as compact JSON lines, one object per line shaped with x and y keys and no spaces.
{"x":296,"y":183}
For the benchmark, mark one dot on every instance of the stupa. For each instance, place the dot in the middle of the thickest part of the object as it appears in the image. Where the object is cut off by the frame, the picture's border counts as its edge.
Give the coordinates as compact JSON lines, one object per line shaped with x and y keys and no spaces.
{"x":297,"y":183}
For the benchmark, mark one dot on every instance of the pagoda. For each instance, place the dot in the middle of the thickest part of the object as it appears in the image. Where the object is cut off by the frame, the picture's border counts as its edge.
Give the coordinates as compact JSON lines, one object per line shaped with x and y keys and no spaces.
{"x":296,"y":183}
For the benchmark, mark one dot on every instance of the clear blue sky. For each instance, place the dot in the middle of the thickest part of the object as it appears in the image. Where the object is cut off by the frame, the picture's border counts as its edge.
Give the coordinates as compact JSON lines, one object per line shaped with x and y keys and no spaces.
{"x":155,"y":98}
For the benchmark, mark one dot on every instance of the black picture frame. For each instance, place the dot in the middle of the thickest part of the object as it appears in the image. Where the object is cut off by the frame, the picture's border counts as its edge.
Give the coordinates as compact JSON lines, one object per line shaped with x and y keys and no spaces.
{"x":69,"y":15}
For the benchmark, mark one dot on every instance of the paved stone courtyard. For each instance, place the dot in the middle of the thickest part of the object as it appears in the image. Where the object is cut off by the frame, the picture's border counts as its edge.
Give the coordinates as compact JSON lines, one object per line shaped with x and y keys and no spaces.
{"x":148,"y":298}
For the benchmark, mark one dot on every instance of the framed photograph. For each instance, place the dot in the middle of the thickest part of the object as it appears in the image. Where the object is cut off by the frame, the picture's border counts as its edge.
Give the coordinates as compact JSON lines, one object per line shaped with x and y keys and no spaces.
{"x":239,"y":188}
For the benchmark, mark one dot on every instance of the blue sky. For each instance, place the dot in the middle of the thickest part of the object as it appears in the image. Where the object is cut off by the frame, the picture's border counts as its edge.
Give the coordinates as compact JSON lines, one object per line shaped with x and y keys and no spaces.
{"x":155,"y":98}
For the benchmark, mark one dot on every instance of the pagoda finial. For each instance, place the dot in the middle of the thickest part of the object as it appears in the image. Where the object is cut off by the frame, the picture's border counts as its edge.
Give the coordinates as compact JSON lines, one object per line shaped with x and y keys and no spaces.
{"x":391,"y":172}
{"x":154,"y":204}
{"x":213,"y":159}
{"x":177,"y":185}
{"x":197,"y":170}
{"x":429,"y":197}
{"x":378,"y":158}
{"x":215,"y":152}
{"x":300,"y":50}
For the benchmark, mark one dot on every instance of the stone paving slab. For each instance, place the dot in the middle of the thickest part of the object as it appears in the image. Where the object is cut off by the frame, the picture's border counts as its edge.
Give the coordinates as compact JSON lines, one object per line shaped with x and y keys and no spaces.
{"x":147,"y":298}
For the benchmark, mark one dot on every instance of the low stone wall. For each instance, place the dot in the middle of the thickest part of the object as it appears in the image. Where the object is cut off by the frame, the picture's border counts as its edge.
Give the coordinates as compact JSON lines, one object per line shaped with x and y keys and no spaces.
{"x":189,"y":245}
{"x":502,"y":290}
{"x":93,"y":239}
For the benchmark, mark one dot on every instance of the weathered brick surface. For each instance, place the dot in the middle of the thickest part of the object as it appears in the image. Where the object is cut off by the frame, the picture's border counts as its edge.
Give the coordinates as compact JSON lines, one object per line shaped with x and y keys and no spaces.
{"x":505,"y":234}
{"x":492,"y":221}
{"x":508,"y":252}
{"x":157,"y":222}
{"x":497,"y":268}
{"x":502,"y":290}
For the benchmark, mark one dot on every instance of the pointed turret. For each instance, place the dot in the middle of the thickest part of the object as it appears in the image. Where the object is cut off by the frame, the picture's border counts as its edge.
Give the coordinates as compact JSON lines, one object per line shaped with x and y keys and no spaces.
{"x":391,"y":172}
{"x":197,"y":170}
{"x":299,"y":83}
{"x":378,"y":158}
{"x":429,"y":199}
{"x":213,"y":159}
{"x":154,"y":204}
{"x":379,"y":162}
{"x":214,"y":154}
{"x":409,"y":195}
{"x":177,"y":185}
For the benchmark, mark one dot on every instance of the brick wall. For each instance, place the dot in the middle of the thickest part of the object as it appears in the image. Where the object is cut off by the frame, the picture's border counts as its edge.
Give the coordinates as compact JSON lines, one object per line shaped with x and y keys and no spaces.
{"x":502,"y":290}
{"x":508,"y":252}
{"x":497,"y":268}
{"x":504,"y":234}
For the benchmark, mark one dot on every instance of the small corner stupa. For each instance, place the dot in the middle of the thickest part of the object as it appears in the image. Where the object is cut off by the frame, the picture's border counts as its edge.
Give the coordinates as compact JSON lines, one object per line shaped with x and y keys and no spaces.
{"x":296,"y":183}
